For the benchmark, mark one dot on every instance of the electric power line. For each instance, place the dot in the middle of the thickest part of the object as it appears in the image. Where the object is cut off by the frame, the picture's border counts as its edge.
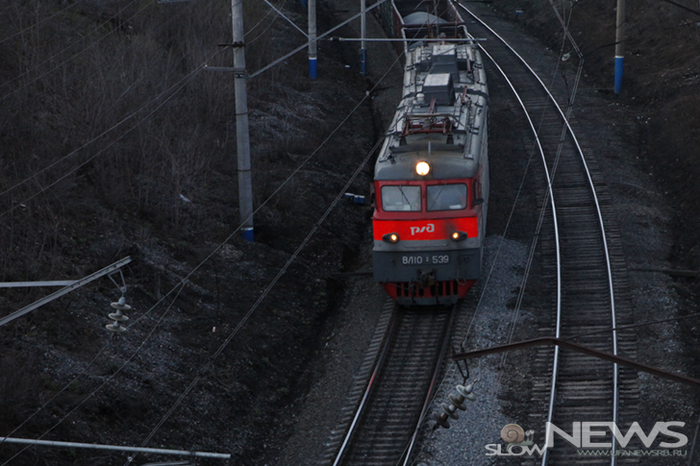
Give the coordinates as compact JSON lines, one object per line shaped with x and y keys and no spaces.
{"x":682,"y":7}
{"x":269,"y":12}
{"x":29,"y":28}
{"x":97,"y":28}
{"x":303,"y":244}
{"x":177,"y":289}
{"x":185,"y":79}
{"x":183,"y":281}
{"x":303,"y":46}
{"x":69,"y":155}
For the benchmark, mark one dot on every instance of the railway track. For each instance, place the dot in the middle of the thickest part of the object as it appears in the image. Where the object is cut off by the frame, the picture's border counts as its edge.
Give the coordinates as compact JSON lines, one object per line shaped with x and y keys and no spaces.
{"x":382,"y":419}
{"x":587,"y":272}
{"x":584,"y":263}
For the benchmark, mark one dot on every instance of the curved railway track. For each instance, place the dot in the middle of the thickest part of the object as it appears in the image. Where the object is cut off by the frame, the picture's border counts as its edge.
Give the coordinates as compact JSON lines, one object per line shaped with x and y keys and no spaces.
{"x":391,"y":395}
{"x":587,"y":266}
{"x":584,"y":263}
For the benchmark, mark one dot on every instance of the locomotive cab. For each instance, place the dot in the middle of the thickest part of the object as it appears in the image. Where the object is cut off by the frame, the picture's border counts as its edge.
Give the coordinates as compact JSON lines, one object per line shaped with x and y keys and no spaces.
{"x":428,"y":227}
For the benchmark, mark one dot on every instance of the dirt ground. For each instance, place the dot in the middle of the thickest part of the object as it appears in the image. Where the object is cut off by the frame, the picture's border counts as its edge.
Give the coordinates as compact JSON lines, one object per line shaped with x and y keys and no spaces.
{"x":64,"y":377}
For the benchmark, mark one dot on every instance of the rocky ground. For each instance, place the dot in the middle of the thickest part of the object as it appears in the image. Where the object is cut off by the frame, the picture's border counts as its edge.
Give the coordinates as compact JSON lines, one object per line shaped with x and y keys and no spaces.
{"x":270,"y":396}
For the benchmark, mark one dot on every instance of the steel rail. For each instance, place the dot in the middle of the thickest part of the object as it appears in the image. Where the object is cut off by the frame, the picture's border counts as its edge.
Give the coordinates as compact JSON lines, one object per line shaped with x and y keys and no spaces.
{"x":603,"y":236}
{"x":431,"y":389}
{"x":368,"y":391}
{"x":392,"y":449}
{"x":556,"y":230}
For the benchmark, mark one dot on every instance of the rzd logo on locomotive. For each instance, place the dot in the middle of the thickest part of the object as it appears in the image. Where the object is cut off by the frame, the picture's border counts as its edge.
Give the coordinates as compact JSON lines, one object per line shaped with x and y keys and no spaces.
{"x":429,"y":228}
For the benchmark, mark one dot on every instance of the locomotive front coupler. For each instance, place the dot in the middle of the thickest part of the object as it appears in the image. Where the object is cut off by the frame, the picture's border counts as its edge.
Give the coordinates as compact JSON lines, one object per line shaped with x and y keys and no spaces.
{"x":426,"y":279}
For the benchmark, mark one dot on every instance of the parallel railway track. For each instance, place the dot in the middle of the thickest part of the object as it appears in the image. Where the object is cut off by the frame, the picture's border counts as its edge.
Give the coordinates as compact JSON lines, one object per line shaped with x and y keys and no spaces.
{"x":583,"y":262}
{"x":591,"y":292}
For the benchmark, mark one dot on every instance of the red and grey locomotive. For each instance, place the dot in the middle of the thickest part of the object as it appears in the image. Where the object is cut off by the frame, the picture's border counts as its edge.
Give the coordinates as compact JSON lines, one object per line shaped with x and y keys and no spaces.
{"x":431,"y":178}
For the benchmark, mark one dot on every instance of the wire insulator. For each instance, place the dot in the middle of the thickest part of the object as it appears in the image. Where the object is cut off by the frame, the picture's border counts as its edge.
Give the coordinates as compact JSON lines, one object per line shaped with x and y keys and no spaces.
{"x":115,"y":327}
{"x":450,"y":410}
{"x":458,"y":401}
{"x":118,"y":317}
{"x":466,"y":392}
{"x":441,"y":419}
{"x":121,"y":305}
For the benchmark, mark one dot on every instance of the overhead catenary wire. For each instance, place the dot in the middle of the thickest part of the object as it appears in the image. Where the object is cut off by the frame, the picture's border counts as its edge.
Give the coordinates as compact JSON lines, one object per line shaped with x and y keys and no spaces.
{"x":40,"y":22}
{"x":97,"y":28}
{"x":172,"y":90}
{"x":494,"y":261}
{"x":94,"y":139}
{"x":605,"y":248}
{"x":282,"y":271}
{"x":321,"y":36}
{"x":570,"y":102}
{"x":452,"y":364}
{"x":177,"y":288}
{"x":608,"y":264}
{"x":544,"y":205}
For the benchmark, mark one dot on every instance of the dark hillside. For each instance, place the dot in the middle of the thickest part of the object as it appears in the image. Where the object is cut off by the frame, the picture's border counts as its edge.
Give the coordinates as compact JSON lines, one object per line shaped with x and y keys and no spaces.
{"x":115,"y":142}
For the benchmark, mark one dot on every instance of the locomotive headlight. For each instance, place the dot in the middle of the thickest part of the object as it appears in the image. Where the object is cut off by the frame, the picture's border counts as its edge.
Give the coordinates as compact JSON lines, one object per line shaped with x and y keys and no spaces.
{"x":458,"y":236}
{"x":391,"y":238}
{"x":422,"y":168}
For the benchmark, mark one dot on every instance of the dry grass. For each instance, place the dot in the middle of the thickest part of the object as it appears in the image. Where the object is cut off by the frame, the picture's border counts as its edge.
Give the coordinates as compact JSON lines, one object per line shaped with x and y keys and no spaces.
{"x":93,"y":90}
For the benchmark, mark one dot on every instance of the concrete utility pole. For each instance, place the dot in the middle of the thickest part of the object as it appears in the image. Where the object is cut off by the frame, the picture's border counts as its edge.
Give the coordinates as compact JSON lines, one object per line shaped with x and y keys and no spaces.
{"x":245,"y":183}
{"x":619,"y":45}
{"x":313,"y":73}
{"x":363,"y":35}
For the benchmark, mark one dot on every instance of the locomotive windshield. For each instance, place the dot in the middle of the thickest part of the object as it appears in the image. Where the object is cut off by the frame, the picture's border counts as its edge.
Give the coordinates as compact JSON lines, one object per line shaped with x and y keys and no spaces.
{"x":447,"y":197}
{"x":401,"y":198}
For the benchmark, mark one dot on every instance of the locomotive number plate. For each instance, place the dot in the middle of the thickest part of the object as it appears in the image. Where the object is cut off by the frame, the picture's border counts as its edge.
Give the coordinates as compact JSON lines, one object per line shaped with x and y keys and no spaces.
{"x":427,"y":259}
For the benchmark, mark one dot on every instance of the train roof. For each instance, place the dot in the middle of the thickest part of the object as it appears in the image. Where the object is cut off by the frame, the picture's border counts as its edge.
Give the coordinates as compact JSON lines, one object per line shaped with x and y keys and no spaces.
{"x":442,"y":115}
{"x":447,"y":161}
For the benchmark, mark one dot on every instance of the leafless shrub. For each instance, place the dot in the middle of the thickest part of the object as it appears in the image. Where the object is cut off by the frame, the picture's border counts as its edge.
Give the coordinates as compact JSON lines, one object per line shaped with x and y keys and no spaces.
{"x":93,"y":91}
